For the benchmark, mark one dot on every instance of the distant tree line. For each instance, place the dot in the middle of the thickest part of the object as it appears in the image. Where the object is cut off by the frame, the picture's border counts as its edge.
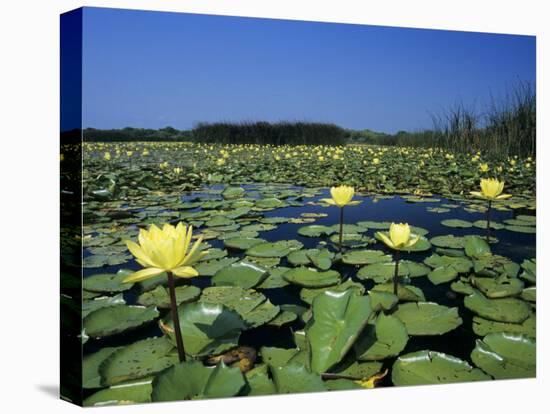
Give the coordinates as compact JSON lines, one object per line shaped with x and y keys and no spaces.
{"x":135,"y":134}
{"x":280,"y":133}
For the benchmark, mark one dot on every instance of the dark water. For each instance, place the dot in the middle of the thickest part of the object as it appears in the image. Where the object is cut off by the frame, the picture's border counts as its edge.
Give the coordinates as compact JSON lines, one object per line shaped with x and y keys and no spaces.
{"x":459,"y":342}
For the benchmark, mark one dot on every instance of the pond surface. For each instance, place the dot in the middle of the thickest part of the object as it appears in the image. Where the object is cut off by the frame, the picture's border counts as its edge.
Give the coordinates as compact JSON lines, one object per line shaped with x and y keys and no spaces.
{"x":458,"y":342}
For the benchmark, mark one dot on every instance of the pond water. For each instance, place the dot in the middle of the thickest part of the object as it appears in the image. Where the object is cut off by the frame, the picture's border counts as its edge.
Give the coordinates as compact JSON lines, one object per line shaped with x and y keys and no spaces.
{"x":458,"y":342}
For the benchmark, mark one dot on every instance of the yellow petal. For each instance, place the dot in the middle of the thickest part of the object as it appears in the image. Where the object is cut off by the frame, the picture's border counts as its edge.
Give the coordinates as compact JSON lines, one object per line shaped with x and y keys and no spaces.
{"x":139,"y":254}
{"x":143,"y":275}
{"x":328,"y":201}
{"x":385,"y":239}
{"x":185,"y":271}
{"x":504,"y":196}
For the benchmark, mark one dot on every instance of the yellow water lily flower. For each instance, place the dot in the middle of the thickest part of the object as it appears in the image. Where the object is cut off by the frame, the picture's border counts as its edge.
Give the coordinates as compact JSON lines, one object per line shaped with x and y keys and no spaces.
{"x":376,"y":161}
{"x":371,"y":381}
{"x":177,"y":170}
{"x":341,"y":196}
{"x":107,"y":156}
{"x":491,"y":189}
{"x":399,"y":237}
{"x":483,"y":167}
{"x":165,"y":250}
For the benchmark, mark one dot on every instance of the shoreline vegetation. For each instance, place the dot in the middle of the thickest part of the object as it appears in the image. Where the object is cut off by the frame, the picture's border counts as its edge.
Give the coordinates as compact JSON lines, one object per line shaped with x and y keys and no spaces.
{"x":504,"y":128}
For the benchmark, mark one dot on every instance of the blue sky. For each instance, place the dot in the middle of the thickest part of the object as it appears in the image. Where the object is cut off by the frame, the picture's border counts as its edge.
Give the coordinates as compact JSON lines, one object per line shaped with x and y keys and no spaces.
{"x":152,"y":69}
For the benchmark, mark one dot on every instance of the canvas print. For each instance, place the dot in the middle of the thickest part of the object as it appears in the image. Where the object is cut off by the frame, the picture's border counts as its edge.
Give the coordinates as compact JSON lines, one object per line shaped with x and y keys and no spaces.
{"x":259,"y":206}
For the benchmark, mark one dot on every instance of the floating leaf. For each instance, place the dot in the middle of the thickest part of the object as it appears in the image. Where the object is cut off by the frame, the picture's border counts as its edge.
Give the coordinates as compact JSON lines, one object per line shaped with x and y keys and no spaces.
{"x":242,"y":243}
{"x":428,"y":318}
{"x":136,"y":392}
{"x":500,"y":310}
{"x":310,"y":278}
{"x":243,"y":274}
{"x":275,"y":249}
{"x":483,"y":326}
{"x":429,"y":367}
{"x":462,"y":224}
{"x":381,"y":339}
{"x":116,"y":319}
{"x":192,"y":381}
{"x":363,"y":257}
{"x":506,"y":355}
{"x":293,"y":378}
{"x":338,"y":319}
{"x":138,"y":360}
{"x":107,"y":282}
{"x":207,"y":328}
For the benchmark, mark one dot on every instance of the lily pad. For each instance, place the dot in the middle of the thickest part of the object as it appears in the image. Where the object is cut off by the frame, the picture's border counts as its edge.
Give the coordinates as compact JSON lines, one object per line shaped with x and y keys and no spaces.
{"x":500,"y":310}
{"x":364,"y":257}
{"x":506,"y":355}
{"x":160,"y":296}
{"x":88,"y":306}
{"x":315,"y":230}
{"x":501,"y":287}
{"x":136,"y":392}
{"x":243,"y":274}
{"x":457,"y":223}
{"x":117,"y":319}
{"x":428,"y":318}
{"x":193,"y":381}
{"x":242,"y":243}
{"x":430,"y":367}
{"x":309,"y":278}
{"x":275,"y":249}
{"x":381,"y":339}
{"x":405,"y":293}
{"x":207,"y":328}
{"x":107,"y":282}
{"x":449,"y":241}
{"x":254,"y":307}
{"x":294,"y":378}
{"x":138,"y":360}
{"x":308,"y":294}
{"x":91,"y":377}
{"x":483,"y":326}
{"x":442,"y":274}
{"x":381,"y":272}
{"x":338,"y":318}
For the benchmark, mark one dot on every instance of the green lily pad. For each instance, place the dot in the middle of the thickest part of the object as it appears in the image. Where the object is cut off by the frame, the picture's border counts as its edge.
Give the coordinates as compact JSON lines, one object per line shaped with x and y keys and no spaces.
{"x":242,"y":243}
{"x":107,"y":282}
{"x":381,"y":272}
{"x":502,"y":287}
{"x":275,"y":249}
{"x":460,"y":264}
{"x":309,"y":278}
{"x":428,"y":318}
{"x":91,"y":377}
{"x":117,"y":319}
{"x":382,"y":300}
{"x":506,"y":355}
{"x":457,"y":223}
{"x":232,"y":193}
{"x":429,"y":367}
{"x":243,"y":274}
{"x":88,"y":306}
{"x":500,"y":310}
{"x":522,"y":229}
{"x":442,"y":274}
{"x":308,"y":294}
{"x":207,"y":328}
{"x":338,"y":318}
{"x":294,"y":378}
{"x":269,"y":203}
{"x":252,"y":306}
{"x":274,"y":278}
{"x":476,"y":247}
{"x":364,"y":257}
{"x":315,"y":230}
{"x":405,"y":293}
{"x":483,"y":326}
{"x":381,"y":339}
{"x":137,"y":392}
{"x":138,"y":360}
{"x":529,"y":273}
{"x":193,"y":381}
{"x":211,"y":267}
{"x":160,"y":296}
{"x":529,"y":294}
{"x":448,"y":241}
{"x":482,"y":224}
